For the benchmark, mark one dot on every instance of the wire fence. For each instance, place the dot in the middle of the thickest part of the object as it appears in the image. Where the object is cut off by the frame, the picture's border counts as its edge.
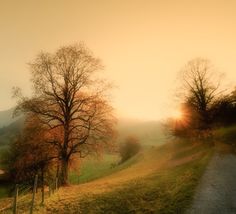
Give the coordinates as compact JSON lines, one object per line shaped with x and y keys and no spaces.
{"x":25,"y":196}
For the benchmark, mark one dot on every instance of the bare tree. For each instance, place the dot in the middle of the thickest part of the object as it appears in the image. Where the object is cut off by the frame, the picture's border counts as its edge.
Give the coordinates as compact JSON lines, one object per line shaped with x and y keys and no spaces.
{"x":200,"y":88}
{"x":70,"y":101}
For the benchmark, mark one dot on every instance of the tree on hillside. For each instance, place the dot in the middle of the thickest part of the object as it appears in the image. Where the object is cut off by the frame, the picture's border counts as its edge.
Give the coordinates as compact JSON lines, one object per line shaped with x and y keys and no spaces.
{"x":70,"y":98}
{"x":29,"y":154}
{"x":200,"y":89}
{"x":224,"y":110}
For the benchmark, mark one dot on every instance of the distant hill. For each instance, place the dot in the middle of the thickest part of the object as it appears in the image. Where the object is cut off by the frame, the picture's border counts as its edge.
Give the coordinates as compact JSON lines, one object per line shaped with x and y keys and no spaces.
{"x":9,"y":127}
{"x":9,"y":133}
{"x":6,"y":117}
{"x":148,"y":132}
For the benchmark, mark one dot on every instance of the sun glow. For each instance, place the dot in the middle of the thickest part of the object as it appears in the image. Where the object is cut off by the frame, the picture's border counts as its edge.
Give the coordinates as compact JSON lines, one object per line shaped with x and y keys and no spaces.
{"x":177,"y":115}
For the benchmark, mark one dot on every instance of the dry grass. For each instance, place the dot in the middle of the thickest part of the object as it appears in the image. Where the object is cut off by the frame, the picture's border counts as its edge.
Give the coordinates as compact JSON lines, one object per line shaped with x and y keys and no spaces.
{"x":157,"y":162}
{"x":159,"y":174}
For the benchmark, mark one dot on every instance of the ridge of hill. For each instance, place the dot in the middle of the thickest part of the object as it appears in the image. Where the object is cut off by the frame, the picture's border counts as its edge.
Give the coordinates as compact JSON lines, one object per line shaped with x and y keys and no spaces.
{"x":148,"y":132}
{"x":9,"y":127}
{"x":6,"y":117}
{"x":9,"y":133}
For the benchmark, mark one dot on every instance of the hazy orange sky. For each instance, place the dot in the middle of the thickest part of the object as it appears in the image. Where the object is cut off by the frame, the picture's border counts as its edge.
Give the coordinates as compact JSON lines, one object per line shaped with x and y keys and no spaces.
{"x":142,"y":43}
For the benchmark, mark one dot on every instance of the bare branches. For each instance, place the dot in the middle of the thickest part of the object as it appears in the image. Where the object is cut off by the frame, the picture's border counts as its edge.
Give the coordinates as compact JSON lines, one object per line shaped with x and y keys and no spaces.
{"x":200,"y":87}
{"x":69,"y":99}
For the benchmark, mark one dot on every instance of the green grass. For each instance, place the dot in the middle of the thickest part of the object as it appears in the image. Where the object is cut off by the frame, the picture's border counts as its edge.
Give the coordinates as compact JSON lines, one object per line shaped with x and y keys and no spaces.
{"x":158,"y":180}
{"x":4,"y":191}
{"x":226,"y":134}
{"x":92,"y":168}
{"x":168,"y":191}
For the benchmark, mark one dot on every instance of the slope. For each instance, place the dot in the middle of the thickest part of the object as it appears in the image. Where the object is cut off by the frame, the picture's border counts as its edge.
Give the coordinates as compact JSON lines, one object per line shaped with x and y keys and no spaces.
{"x":9,"y":133}
{"x":6,"y":117}
{"x":160,"y":180}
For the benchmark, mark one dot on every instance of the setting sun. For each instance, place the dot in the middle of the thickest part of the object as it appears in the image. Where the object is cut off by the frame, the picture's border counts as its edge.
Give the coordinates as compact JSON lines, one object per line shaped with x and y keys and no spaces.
{"x":177,"y":115}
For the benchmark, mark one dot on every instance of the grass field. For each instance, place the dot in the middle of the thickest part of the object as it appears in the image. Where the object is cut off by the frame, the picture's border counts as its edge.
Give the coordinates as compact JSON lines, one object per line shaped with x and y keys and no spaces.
{"x":161,"y":180}
{"x":93,"y":168}
{"x":158,"y":180}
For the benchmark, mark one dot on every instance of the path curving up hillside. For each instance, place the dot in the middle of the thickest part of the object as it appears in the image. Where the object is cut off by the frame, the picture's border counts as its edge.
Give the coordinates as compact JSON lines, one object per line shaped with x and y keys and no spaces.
{"x":216,"y":193}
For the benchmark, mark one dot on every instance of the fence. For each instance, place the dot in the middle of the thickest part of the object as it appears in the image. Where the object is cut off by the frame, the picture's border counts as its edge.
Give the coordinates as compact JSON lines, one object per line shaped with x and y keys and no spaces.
{"x":25,"y":195}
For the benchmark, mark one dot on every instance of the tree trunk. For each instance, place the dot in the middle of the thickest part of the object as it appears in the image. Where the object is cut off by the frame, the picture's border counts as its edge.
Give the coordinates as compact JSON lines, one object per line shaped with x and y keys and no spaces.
{"x":65,"y":158}
{"x":64,"y":171}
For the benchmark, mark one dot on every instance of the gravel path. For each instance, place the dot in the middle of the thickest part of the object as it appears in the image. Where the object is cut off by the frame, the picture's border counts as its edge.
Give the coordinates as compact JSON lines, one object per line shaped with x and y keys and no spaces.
{"x":216,"y":193}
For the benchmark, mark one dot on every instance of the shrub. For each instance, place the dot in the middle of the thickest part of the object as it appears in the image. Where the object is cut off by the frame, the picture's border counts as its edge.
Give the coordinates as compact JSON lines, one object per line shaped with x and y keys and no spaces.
{"x":129,"y":148}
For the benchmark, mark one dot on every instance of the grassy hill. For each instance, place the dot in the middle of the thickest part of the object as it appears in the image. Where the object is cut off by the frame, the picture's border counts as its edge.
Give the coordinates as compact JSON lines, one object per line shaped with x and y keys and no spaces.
{"x":161,"y":180}
{"x":158,"y":180}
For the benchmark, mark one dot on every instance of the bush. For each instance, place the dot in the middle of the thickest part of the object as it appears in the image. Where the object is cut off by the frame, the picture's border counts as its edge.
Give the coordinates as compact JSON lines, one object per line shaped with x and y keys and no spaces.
{"x":129,"y":148}
{"x":226,"y":135}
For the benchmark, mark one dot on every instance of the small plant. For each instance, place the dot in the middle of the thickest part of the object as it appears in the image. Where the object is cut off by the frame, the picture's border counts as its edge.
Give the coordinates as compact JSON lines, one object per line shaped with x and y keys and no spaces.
{"x":129,"y":148}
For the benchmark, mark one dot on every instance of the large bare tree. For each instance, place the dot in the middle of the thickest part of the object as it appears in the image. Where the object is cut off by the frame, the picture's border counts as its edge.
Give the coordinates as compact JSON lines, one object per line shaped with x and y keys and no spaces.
{"x":200,"y":85}
{"x":71,"y":102}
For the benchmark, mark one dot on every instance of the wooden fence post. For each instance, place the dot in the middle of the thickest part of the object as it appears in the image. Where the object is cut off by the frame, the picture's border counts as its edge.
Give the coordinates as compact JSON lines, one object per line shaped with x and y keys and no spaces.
{"x":56,"y":183}
{"x":15,"y":200}
{"x":34,"y":191}
{"x":53,"y":187}
{"x":49,"y":189}
{"x":42,"y":188}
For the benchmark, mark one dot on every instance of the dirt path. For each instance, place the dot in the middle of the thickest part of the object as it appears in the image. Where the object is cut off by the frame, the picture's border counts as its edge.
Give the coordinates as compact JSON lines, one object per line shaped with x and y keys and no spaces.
{"x":216,"y":193}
